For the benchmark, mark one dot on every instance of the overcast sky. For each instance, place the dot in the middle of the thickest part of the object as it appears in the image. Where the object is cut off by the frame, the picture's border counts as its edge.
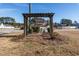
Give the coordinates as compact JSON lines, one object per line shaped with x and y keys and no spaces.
{"x":69,"y":11}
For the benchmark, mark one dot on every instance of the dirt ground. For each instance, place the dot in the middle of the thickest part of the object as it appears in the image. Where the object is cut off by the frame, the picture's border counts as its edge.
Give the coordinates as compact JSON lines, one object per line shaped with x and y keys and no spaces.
{"x":34,"y":45}
{"x":73,"y":34}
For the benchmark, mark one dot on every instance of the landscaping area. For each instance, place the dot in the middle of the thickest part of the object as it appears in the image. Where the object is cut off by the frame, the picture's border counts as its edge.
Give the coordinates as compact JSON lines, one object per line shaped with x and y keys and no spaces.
{"x":63,"y":43}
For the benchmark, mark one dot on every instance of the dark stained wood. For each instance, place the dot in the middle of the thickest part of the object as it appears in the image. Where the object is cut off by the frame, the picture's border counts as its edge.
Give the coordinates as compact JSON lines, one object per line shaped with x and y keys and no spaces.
{"x":38,"y":14}
{"x":24,"y":26}
{"x":27,"y":15}
{"x":51,"y":27}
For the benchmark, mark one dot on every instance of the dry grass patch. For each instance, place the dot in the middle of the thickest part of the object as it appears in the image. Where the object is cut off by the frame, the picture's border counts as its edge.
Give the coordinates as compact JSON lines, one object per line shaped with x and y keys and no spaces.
{"x":34,"y":45}
{"x":37,"y":45}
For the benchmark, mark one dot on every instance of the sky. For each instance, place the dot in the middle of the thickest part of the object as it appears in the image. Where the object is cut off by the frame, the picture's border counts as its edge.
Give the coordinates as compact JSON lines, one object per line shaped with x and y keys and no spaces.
{"x":61,"y":10}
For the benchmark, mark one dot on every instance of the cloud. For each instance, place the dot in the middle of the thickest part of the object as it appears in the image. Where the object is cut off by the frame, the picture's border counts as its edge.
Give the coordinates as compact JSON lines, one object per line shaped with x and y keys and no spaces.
{"x":7,"y":10}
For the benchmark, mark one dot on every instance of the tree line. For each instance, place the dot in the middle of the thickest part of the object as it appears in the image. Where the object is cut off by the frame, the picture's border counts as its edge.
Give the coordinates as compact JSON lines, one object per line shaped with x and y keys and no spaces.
{"x":6,"y":20}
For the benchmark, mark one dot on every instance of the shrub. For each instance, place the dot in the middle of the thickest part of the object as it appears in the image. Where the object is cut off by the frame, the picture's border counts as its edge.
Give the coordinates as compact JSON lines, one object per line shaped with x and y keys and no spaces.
{"x":21,"y":28}
{"x":35,"y":29}
{"x":30,"y":30}
{"x":48,"y":29}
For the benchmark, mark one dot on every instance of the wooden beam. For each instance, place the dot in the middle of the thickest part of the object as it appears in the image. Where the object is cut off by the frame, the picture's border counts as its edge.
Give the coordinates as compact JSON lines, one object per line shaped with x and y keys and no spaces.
{"x":24,"y":26}
{"x":51,"y":26}
{"x":38,"y":14}
{"x":29,"y":17}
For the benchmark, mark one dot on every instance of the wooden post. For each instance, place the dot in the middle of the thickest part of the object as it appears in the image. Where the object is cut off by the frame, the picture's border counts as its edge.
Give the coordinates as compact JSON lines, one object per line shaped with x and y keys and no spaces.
{"x":24,"y":26}
{"x":29,"y":17}
{"x":51,"y":27}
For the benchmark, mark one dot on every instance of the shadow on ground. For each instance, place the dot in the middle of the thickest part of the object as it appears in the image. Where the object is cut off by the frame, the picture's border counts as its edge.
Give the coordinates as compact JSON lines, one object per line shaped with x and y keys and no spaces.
{"x":43,"y":38}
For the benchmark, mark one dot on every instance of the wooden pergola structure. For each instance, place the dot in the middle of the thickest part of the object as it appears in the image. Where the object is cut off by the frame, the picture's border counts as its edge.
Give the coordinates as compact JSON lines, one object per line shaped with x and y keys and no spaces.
{"x":27,"y":15}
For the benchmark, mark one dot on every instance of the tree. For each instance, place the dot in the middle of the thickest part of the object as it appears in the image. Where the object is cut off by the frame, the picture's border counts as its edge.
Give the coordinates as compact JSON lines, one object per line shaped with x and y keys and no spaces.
{"x":1,"y":20}
{"x":75,"y":23}
{"x":66,"y":22}
{"x":6,"y":20}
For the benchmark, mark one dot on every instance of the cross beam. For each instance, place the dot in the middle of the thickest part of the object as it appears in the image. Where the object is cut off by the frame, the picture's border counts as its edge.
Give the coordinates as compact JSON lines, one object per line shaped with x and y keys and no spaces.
{"x":38,"y":14}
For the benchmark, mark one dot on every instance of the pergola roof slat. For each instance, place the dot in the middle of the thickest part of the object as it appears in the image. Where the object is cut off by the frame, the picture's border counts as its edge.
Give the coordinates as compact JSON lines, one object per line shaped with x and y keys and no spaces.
{"x":38,"y":14}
